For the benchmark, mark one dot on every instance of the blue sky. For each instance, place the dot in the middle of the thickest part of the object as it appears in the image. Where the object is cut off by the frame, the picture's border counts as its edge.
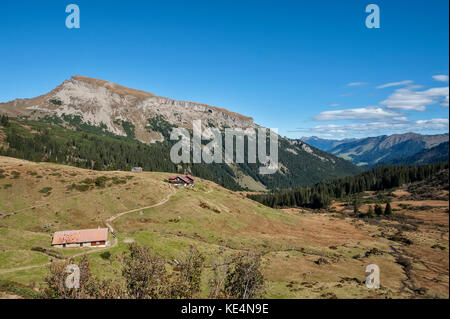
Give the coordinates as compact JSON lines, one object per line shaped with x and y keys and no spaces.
{"x":304,"y":67}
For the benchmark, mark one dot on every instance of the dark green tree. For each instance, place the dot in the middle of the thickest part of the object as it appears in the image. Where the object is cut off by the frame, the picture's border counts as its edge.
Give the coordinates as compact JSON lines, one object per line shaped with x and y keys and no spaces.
{"x":378,"y":210}
{"x":388,"y":209}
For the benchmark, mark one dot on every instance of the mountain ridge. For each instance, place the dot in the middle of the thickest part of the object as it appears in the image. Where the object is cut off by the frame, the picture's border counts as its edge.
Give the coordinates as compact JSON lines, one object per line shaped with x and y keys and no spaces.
{"x":381,"y":149}
{"x":100,"y":102}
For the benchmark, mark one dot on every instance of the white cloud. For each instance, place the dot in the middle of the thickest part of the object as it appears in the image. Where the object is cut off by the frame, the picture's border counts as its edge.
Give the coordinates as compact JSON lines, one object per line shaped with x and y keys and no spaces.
{"x":441,"y":77}
{"x":334,"y":105}
{"x":445,"y":102}
{"x":409,"y":99}
{"x":377,"y":128}
{"x":365,"y":113}
{"x":406,"y":82}
{"x":356,"y":83}
{"x":439,"y":123}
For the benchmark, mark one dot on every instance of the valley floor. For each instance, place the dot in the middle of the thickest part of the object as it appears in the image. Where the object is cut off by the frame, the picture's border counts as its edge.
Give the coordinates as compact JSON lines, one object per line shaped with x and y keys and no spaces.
{"x":306,"y":254}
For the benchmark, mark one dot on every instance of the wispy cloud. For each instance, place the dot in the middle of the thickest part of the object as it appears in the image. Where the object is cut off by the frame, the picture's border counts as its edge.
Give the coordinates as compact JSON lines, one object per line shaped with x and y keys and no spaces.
{"x":441,"y":77}
{"x":356,"y":83}
{"x":377,"y":128}
{"x":365,"y":113}
{"x":388,"y":116}
{"x":410,"y":99}
{"x":444,"y":103}
{"x":406,"y":82}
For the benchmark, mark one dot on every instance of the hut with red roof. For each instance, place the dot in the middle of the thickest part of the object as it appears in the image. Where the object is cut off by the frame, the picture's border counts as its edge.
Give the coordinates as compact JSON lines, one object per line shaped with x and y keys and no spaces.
{"x":97,"y":237}
{"x":182,"y":180}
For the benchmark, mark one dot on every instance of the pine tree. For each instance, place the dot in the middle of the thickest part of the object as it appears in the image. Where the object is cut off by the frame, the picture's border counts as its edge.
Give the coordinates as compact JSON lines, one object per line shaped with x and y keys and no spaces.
{"x":378,"y":210}
{"x":356,"y":205}
{"x":388,"y":209}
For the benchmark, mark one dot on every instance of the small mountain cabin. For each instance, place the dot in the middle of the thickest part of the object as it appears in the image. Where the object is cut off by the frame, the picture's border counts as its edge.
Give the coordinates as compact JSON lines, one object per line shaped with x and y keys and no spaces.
{"x":81,"y":238}
{"x":136,"y":169}
{"x":182,"y":180}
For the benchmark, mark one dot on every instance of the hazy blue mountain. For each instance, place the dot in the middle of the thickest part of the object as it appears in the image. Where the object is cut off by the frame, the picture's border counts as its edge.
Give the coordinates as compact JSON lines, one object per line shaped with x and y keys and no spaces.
{"x":324,"y":144}
{"x":435,"y":154}
{"x":371,"y":151}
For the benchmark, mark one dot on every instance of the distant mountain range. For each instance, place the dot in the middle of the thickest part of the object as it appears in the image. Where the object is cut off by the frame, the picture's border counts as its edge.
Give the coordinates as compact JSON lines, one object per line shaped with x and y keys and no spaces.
{"x":435,"y":154}
{"x":410,"y":148}
{"x":98,"y":124}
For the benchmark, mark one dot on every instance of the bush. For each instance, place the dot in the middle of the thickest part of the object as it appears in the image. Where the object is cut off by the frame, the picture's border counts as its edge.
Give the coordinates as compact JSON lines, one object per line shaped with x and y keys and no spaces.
{"x":144,"y":273}
{"x":82,"y":188}
{"x":117,"y":180}
{"x":101,"y":181}
{"x":45,"y":190}
{"x":4,"y":120}
{"x":18,"y":289}
{"x":56,"y":102}
{"x":106,"y":255}
{"x":398,"y":237}
{"x":146,"y":276}
{"x":244,"y":279}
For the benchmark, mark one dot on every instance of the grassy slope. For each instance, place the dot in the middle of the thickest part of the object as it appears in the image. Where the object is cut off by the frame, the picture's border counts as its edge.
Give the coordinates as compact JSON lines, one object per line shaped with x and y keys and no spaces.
{"x":218,"y":221}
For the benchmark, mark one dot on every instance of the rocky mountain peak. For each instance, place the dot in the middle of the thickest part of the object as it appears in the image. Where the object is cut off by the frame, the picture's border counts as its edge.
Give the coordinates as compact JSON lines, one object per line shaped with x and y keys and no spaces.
{"x":102,"y":103}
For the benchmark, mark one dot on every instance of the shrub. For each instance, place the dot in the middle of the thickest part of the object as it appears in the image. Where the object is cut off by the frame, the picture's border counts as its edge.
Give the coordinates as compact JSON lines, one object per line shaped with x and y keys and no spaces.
{"x":56,"y":102}
{"x":56,"y":279}
{"x":45,"y":190}
{"x":101,"y":181}
{"x":82,"y":188}
{"x":106,"y":255}
{"x":4,"y":120}
{"x":144,"y":273}
{"x":117,"y":180}
{"x":144,"y":276}
{"x":398,"y":237}
{"x":18,"y":289}
{"x":87,"y":181}
{"x":244,"y":279}
{"x":187,"y":283}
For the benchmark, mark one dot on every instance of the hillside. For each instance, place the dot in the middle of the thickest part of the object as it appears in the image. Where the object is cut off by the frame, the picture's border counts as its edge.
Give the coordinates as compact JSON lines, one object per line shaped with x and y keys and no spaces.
{"x":370,"y":151}
{"x":306,"y":254}
{"x":124,"y":127}
{"x":434,"y":154}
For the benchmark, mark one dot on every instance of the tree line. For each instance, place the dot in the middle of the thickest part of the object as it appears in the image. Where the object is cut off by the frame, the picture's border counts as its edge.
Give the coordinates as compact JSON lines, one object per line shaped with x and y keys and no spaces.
{"x":94,"y":147}
{"x":321,"y":194}
{"x":91,"y":148}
